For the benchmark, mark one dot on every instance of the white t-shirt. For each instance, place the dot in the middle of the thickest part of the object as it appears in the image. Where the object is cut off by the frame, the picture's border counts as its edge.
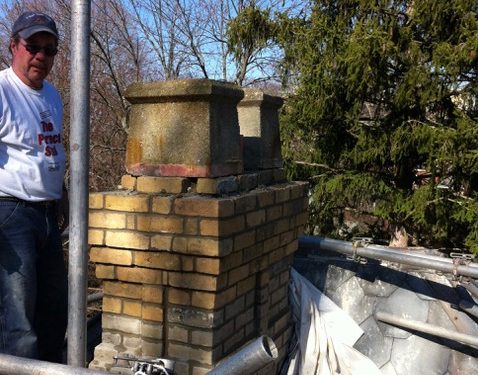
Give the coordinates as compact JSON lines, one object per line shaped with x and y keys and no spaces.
{"x":32,"y":157}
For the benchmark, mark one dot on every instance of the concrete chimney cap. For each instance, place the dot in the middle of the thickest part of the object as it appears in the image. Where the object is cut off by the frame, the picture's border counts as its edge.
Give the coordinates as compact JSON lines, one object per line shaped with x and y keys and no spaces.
{"x":255,"y":97}
{"x":190,"y":89}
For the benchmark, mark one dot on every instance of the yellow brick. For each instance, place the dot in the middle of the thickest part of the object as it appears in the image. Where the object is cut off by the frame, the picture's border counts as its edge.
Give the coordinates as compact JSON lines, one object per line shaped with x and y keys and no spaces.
{"x":210,"y":266}
{"x":256,"y":264}
{"x":96,"y":200}
{"x":120,"y":289}
{"x":232,"y":260}
{"x":196,"y":281}
{"x":245,"y":203}
{"x":252,"y":252}
{"x":222,"y":227}
{"x":204,"y":300}
{"x":179,"y":297}
{"x":281,"y":226}
{"x":213,"y":300}
{"x":203,"y":206}
{"x":264,"y":279}
{"x":282,"y":323}
{"x":177,"y":333}
{"x":208,"y":227}
{"x":128,"y":182}
{"x":162,"y":205}
{"x":205,"y":338}
{"x":126,"y":239}
{"x":246,"y":285}
{"x":284,"y":277}
{"x":292,"y":247}
{"x":289,"y":207}
{"x":202,"y":246}
{"x":219,"y":185}
{"x":151,"y":349}
{"x":139,"y":275}
{"x":174,"y":185}
{"x":187,"y":263}
{"x":159,"y":224}
{"x":262,"y":263}
{"x":207,"y":186}
{"x":152,"y":294}
{"x":277,"y":255}
{"x":162,"y":242}
{"x":111,"y":256}
{"x":265,"y":231}
{"x":227,"y":296}
{"x":127,"y":202}
{"x":233,"y":341}
{"x":152,"y":312}
{"x":273,"y":213}
{"x":105,"y":272}
{"x":298,"y":190}
{"x":130,"y":221}
{"x":238,"y":274}
{"x":101,"y":219}
{"x":282,"y":194}
{"x":255,"y":218}
{"x":112,"y":305}
{"x":132,"y":308}
{"x":244,"y":240}
{"x":96,"y":237}
{"x":279,"y":294}
{"x":157,"y":259}
{"x":271,"y":243}
{"x":195,"y":354}
{"x":191,"y":226}
{"x":265,"y":198}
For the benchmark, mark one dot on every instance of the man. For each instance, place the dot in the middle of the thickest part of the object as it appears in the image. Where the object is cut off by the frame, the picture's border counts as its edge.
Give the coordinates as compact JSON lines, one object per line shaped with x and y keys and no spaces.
{"x":33,"y":281}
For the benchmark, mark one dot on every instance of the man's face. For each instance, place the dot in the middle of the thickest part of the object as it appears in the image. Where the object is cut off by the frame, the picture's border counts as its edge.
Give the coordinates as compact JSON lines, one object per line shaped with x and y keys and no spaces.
{"x":33,"y":66}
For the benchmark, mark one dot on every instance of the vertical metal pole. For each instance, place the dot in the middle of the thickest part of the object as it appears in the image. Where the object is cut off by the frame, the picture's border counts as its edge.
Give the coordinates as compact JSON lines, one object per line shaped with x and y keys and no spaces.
{"x":79,"y":162}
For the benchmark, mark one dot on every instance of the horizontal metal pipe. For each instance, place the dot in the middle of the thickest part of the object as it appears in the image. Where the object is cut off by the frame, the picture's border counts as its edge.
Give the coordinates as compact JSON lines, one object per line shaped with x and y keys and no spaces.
{"x":309,"y":241}
{"x":472,"y":289}
{"x":249,"y":359}
{"x":469,"y":307}
{"x":427,"y":328}
{"x":10,"y":364}
{"x":94,"y":297}
{"x":396,"y":256}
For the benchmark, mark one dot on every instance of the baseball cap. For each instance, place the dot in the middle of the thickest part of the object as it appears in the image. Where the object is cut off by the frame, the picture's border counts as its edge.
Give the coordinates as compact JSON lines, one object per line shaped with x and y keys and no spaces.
{"x":30,"y":23}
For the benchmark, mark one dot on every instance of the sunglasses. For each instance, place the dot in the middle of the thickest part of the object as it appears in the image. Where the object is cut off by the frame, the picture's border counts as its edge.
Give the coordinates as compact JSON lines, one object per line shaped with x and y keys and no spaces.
{"x":34,"y":49}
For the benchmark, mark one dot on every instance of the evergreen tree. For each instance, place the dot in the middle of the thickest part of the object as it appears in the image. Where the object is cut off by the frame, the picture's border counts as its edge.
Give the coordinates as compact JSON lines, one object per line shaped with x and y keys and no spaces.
{"x":248,"y":34}
{"x":383,"y":120}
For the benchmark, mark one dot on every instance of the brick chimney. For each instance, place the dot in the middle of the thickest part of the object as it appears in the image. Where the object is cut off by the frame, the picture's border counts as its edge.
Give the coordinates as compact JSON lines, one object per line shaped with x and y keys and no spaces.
{"x":195,"y":253}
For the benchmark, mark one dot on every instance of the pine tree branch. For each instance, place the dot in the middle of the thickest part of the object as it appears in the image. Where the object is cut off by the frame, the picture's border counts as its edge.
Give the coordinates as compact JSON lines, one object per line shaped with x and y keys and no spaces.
{"x":318,"y":176}
{"x":443,"y":199}
{"x":309,"y":164}
{"x":368,"y":125}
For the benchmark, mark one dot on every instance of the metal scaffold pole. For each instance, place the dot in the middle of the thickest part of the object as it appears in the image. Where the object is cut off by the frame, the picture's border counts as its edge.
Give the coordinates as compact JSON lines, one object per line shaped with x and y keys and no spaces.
{"x":401,"y":256}
{"x":79,"y":163}
{"x":10,"y":364}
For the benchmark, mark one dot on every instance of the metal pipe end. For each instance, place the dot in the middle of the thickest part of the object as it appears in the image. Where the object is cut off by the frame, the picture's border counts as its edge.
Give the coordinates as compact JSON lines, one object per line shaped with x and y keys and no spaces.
{"x":270,"y":347}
